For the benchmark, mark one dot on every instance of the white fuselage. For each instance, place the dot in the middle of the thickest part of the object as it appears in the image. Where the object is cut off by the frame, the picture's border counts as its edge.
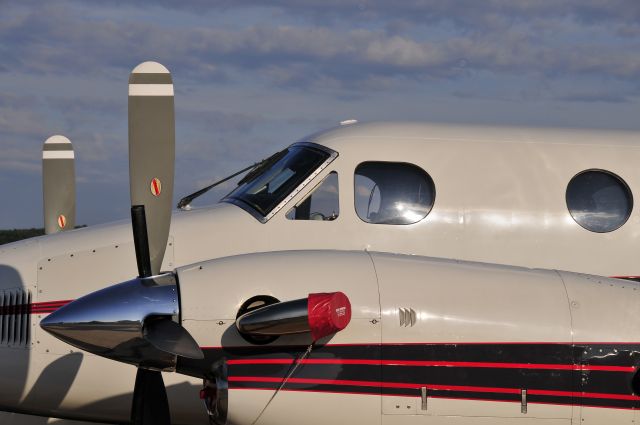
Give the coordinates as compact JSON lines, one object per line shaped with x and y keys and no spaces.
{"x":500,"y":198}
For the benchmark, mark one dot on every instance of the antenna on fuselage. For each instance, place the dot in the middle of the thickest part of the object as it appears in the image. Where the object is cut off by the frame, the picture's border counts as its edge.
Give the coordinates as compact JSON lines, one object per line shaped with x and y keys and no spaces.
{"x":58,"y":185}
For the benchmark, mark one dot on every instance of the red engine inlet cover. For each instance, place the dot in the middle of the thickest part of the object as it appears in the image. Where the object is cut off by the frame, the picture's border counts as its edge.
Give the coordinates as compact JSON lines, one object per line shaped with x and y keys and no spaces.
{"x":328,"y":313}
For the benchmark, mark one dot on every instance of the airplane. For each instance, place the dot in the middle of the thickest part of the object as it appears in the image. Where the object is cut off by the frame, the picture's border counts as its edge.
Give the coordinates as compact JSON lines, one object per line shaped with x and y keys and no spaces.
{"x":379,"y":273}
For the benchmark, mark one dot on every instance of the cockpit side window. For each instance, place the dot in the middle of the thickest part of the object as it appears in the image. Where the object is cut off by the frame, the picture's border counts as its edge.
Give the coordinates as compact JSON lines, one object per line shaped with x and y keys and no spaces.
{"x":393,"y":193}
{"x":267,"y":186}
{"x":322,"y":204}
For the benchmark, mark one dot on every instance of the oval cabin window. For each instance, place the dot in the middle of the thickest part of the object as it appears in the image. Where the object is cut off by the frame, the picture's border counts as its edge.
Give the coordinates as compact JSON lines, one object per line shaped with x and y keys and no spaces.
{"x":599,"y":200}
{"x":392,"y":193}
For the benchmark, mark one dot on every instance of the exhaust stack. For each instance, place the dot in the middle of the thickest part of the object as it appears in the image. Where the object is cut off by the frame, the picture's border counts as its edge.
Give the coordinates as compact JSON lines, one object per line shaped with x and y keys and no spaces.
{"x":320,"y":314}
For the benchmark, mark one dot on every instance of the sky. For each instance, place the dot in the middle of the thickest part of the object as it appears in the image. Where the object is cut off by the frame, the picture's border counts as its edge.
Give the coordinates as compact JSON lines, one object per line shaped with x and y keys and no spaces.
{"x":253,"y":76}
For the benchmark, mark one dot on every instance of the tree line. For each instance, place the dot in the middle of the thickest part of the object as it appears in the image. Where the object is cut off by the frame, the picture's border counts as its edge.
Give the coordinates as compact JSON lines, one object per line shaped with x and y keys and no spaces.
{"x":13,"y":235}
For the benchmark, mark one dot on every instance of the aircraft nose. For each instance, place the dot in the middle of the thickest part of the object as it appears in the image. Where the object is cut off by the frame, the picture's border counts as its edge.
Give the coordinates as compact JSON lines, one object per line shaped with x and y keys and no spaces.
{"x":115,"y":322}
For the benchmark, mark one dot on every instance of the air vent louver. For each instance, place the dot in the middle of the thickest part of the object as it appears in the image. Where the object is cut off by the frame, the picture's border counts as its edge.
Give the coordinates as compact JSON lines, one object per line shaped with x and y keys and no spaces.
{"x":15,"y":318}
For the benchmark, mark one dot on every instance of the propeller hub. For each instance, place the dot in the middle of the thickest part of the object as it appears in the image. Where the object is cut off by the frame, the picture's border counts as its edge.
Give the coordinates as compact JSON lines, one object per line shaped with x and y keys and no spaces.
{"x":113,"y":322}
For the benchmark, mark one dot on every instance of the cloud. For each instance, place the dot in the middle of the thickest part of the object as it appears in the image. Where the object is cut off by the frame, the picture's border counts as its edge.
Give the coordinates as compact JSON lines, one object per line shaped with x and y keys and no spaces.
{"x":22,"y":130}
{"x":305,"y":56}
{"x":18,"y":116}
{"x":595,"y":97}
{"x":218,"y":122}
{"x":470,"y":14}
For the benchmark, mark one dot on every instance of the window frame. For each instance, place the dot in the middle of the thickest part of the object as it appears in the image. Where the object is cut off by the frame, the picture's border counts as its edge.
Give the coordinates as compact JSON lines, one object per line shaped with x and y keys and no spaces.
{"x":625,"y":186}
{"x":410,"y":164}
{"x":311,"y":192}
{"x":264,"y":218}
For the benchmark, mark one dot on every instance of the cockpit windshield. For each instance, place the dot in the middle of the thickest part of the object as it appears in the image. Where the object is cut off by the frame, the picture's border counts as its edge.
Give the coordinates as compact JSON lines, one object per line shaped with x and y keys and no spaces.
{"x":263,"y":188}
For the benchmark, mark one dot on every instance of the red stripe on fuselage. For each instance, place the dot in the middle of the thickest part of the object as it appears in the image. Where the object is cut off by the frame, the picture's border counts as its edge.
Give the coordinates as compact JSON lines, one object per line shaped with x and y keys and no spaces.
{"x":53,"y":302}
{"x":46,"y":307}
{"x":425,"y":363}
{"x":461,"y":388}
{"x":429,"y":343}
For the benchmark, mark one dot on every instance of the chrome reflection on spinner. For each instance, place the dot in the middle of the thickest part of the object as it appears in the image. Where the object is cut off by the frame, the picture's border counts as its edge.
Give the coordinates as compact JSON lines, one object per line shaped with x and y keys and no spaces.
{"x":110,"y":322}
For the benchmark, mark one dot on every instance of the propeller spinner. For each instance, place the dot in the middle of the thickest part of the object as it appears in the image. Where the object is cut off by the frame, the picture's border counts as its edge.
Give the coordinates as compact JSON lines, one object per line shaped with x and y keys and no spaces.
{"x":141,"y":315}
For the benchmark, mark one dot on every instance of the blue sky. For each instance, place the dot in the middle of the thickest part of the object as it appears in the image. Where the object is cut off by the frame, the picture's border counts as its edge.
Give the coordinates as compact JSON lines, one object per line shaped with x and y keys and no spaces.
{"x":251,"y":78}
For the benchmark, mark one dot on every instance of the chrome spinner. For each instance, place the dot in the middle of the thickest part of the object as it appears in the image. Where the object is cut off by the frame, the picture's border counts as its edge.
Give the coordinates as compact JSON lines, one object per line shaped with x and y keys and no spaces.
{"x":111,"y":322}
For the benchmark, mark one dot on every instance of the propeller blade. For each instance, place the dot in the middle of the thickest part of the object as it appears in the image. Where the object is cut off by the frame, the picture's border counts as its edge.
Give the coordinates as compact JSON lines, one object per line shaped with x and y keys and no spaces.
{"x":150,"y":403}
{"x":168,"y":336}
{"x":141,"y":240}
{"x":58,"y":185}
{"x":152,"y":152}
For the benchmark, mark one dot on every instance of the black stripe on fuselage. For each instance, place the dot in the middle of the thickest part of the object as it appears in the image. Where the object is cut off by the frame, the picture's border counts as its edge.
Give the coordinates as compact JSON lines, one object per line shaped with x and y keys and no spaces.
{"x":495,"y":377}
{"x":514,"y":353}
{"x":561,"y":370}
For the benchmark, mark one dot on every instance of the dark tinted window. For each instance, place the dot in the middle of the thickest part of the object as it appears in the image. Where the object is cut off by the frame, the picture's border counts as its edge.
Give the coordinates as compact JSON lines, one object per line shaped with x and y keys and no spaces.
{"x":599,"y":201}
{"x":266,"y":186}
{"x":392,"y":193}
